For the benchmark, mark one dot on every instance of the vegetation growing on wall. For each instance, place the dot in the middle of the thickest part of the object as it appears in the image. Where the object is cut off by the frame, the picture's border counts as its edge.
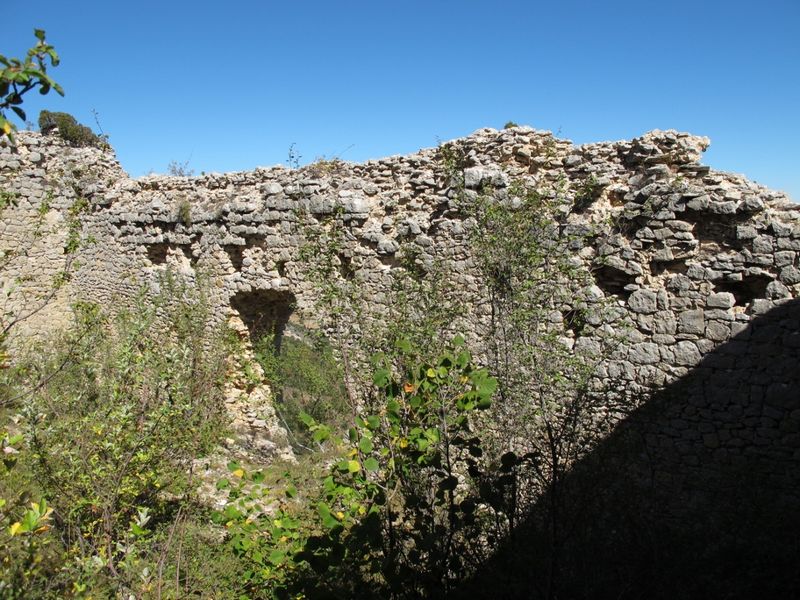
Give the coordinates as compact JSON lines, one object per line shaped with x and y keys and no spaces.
{"x":432,"y":475}
{"x":305,"y":378}
{"x":109,"y":417}
{"x":69,"y":129}
{"x":401,"y":511}
{"x":548,"y":412}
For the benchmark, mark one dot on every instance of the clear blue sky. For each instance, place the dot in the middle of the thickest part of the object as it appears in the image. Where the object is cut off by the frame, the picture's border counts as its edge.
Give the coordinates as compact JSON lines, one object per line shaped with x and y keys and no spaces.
{"x":231,"y":85}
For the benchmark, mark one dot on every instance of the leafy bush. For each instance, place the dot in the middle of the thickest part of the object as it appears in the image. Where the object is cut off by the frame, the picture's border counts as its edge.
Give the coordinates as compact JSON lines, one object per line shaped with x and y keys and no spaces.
{"x":69,"y":129}
{"x":305,"y":377}
{"x":404,"y":509}
{"x":114,"y":413}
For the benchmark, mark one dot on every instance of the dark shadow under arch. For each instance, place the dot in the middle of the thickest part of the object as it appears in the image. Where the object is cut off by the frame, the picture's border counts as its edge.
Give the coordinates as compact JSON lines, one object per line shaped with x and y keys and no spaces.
{"x":264,"y":312}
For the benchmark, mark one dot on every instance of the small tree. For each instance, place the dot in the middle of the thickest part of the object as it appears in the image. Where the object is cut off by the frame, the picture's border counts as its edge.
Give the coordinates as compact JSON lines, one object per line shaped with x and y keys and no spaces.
{"x":545,"y":339}
{"x":402,"y":512}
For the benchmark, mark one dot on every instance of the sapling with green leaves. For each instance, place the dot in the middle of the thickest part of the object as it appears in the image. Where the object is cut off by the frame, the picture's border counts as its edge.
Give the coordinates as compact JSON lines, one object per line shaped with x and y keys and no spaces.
{"x":20,"y":76}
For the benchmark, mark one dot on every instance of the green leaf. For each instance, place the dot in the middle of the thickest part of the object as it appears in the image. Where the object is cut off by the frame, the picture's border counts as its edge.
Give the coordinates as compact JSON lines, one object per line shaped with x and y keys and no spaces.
{"x":365,"y":445}
{"x":403,"y":345}
{"x":328,"y":520}
{"x":433,"y":434}
{"x":381,"y":377}
{"x":232,"y":513}
{"x":393,"y":407}
{"x":321,"y":433}
{"x":371,"y":464}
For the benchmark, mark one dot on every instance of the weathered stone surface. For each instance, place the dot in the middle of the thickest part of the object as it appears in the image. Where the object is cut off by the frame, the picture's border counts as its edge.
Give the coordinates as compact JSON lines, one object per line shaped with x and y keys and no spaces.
{"x":681,"y":262}
{"x":686,"y":353}
{"x":643,"y":301}
{"x":720,"y":300}
{"x":691,"y":321}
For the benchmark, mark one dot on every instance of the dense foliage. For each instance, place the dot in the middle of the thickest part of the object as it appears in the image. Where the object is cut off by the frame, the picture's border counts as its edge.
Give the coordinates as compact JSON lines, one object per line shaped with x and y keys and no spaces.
{"x":304,"y":377}
{"x":405,"y":505}
{"x":69,"y":129}
{"x":106,"y":421}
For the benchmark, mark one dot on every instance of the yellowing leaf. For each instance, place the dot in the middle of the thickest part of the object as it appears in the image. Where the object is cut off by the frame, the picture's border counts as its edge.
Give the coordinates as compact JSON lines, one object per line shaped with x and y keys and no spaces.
{"x":353,"y":466}
{"x":15,"y":527}
{"x":238,"y":473}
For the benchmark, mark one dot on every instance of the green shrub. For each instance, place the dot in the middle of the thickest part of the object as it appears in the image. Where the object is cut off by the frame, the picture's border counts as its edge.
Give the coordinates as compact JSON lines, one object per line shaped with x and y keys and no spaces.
{"x":20,"y":76}
{"x":113,"y":414}
{"x":400,"y":513}
{"x":69,"y":129}
{"x":305,"y":378}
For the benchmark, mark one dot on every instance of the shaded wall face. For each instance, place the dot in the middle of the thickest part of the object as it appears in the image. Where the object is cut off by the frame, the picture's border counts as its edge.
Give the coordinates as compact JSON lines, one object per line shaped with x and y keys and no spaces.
{"x":695,"y":494}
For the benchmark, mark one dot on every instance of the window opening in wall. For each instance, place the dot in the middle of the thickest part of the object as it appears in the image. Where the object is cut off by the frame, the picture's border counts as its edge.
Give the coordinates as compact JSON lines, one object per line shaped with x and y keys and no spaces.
{"x":265,"y":312}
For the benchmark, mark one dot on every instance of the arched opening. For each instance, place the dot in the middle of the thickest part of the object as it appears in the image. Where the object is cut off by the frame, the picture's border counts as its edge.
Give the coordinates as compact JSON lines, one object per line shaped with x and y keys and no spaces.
{"x":265,"y":312}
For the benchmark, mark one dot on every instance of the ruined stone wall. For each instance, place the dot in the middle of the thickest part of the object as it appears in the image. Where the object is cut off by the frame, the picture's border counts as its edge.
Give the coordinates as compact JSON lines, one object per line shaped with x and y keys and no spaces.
{"x":687,"y":255}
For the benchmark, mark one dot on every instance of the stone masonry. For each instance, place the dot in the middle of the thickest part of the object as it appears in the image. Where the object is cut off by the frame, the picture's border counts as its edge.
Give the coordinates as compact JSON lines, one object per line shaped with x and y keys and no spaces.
{"x":689,"y":256}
